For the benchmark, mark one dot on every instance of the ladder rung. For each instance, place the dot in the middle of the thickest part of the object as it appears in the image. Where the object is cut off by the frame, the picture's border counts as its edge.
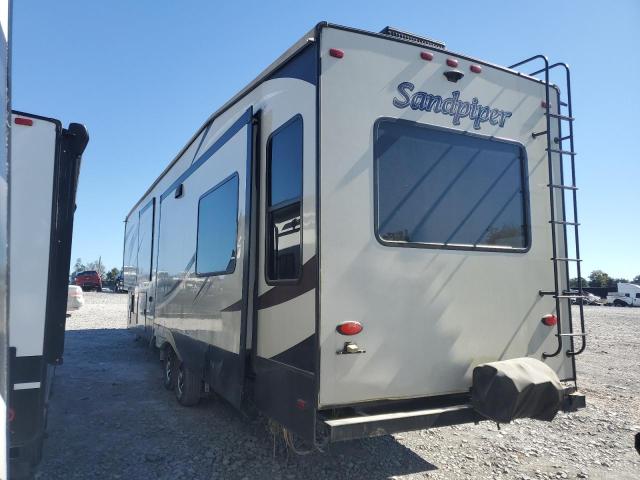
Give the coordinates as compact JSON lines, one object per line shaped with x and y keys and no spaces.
{"x":563,"y":259}
{"x":562,"y":222}
{"x":564,"y":187}
{"x":561,"y":117}
{"x":562,"y":152}
{"x":564,"y":104}
{"x":542,"y":293}
{"x":566,"y":138}
{"x":571,"y":335}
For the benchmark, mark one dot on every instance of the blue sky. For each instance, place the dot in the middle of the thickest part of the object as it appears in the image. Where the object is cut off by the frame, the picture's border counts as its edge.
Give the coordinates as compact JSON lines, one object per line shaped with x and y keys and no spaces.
{"x":144,"y":75}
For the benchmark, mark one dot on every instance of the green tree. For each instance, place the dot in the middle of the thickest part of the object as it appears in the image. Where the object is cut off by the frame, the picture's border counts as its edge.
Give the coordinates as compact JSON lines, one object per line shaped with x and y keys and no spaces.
{"x":598,"y":278}
{"x":636,"y":279}
{"x":79,"y":266}
{"x":574,"y":283}
{"x":615,"y":281}
{"x":112,"y":274}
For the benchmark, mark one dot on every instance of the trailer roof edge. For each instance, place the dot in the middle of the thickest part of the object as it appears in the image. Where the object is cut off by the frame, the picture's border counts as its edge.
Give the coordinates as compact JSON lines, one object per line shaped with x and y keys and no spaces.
{"x":306,"y":39}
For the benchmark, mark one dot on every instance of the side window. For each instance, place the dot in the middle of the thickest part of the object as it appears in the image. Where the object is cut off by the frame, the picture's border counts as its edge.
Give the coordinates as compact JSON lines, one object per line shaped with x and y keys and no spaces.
{"x":218,"y":229}
{"x":284,"y":202}
{"x":145,"y":241}
{"x":637,"y":295}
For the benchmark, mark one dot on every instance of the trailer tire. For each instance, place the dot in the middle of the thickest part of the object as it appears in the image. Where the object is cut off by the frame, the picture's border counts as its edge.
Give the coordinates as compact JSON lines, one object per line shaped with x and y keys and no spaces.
{"x":169,"y":366}
{"x":188,"y":386}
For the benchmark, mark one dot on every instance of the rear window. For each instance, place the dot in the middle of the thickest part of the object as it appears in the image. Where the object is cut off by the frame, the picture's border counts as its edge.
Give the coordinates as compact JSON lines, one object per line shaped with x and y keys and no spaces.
{"x":448,"y":189}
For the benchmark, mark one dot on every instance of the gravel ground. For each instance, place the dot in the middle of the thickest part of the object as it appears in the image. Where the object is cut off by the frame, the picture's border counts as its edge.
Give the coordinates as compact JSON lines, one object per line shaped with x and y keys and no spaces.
{"x":110,"y":417}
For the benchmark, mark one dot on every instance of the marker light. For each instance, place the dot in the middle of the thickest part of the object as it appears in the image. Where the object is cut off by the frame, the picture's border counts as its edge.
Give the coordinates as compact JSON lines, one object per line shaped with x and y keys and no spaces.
{"x":475,"y":68}
{"x":428,"y":56}
{"x":549,"y":320}
{"x":349,"y":328}
{"x":452,"y":62}
{"x":24,"y":121}
{"x":334,"y":52}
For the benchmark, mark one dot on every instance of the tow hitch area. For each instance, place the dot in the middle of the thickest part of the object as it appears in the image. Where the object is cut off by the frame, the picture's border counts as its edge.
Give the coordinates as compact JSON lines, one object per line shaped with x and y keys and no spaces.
{"x":520,"y":388}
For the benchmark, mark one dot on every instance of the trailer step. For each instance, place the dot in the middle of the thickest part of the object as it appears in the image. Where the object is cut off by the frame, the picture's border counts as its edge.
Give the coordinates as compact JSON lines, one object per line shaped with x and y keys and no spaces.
{"x":571,"y":335}
{"x":361,"y":426}
{"x":563,"y":152}
{"x":561,"y":259}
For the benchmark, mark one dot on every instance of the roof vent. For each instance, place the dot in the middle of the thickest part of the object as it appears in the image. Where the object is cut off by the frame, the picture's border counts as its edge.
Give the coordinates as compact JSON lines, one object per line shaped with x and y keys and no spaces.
{"x":394,"y":32}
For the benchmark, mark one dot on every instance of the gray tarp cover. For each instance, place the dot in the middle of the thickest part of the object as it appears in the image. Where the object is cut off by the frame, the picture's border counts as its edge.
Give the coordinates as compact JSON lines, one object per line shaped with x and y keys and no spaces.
{"x":517,"y":388}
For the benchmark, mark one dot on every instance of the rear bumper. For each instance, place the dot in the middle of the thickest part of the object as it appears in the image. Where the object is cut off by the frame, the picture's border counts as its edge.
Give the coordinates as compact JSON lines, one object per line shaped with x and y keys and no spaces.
{"x":395,"y":422}
{"x":385,"y":423}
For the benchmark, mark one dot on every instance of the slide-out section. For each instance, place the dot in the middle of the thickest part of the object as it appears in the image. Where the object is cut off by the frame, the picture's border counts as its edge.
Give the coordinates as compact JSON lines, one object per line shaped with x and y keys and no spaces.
{"x":203,"y":262}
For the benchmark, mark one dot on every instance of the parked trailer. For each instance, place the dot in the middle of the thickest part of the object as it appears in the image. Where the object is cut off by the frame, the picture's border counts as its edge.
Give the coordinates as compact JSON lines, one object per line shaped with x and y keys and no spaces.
{"x":45,"y":163}
{"x":628,"y":295}
{"x":364,"y":241}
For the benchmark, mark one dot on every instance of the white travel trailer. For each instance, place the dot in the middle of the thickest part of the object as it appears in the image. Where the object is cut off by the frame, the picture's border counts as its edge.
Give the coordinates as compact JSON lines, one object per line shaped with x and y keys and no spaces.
{"x":628,"y":295}
{"x":369,"y":238}
{"x":45,"y":162}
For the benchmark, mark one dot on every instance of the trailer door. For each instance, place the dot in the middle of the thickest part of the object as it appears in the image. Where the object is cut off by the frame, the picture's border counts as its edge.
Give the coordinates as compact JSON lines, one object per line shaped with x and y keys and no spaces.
{"x":284,"y":339}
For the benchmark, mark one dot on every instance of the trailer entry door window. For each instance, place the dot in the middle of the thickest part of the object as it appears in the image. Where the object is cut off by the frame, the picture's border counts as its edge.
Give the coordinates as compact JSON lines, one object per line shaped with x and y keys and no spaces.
{"x":284,"y":202}
{"x":447,"y":189}
{"x":218,"y":229}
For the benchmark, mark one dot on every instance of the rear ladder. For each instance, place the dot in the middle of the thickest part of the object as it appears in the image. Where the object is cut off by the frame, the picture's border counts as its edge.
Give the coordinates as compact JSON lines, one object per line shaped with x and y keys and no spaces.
{"x":558,"y":187}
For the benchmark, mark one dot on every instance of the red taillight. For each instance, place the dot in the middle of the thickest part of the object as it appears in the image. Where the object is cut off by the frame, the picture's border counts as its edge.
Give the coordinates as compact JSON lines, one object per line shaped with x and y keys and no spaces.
{"x":349,"y":328}
{"x":543,"y":104}
{"x":452,"y":62}
{"x":11,"y":414}
{"x":23,"y":121}
{"x":428,"y":56}
{"x":549,"y":320}
{"x":475,"y":68}
{"x":334,"y":52}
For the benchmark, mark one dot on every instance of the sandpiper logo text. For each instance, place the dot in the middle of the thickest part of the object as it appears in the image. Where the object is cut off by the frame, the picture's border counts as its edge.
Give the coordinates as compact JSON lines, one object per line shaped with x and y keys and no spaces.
{"x":452,"y":106}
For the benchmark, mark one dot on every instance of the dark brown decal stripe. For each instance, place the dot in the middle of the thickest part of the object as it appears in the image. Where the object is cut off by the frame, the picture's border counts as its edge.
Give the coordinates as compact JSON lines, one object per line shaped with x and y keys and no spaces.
{"x":301,"y":355}
{"x":283,"y":293}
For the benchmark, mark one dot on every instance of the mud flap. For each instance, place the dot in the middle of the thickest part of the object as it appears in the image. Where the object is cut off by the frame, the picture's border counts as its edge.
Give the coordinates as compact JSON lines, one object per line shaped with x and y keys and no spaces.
{"x":518,"y":388}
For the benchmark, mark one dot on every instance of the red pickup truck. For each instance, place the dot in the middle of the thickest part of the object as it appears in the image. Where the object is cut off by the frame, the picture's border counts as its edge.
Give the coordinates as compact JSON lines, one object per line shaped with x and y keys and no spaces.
{"x":89,"y":280}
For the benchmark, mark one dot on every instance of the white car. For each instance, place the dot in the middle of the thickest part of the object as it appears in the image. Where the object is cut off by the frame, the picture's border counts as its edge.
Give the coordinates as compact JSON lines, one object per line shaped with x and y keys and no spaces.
{"x":75,"y":298}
